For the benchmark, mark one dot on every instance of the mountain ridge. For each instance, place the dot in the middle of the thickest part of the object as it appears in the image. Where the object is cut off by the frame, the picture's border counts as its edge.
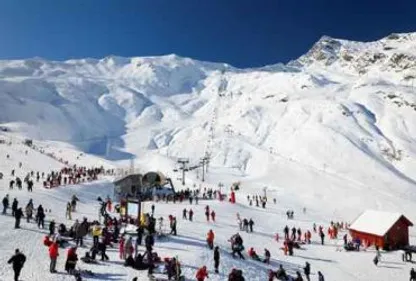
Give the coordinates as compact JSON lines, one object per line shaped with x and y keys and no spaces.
{"x":322,"y":113}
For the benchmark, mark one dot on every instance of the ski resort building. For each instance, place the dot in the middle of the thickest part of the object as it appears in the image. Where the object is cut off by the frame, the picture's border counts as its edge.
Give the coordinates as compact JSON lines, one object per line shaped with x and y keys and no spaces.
{"x":386,"y":230}
{"x":146,"y":186}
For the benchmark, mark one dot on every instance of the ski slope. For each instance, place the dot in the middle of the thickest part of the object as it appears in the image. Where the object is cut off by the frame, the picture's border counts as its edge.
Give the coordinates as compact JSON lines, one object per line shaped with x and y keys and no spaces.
{"x":189,"y":245}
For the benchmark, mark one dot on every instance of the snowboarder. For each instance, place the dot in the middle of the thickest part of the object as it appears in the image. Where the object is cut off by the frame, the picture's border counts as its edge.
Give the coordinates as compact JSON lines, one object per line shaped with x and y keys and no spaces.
{"x":201,"y":274}
{"x":210,"y":239}
{"x":17,"y":261}
{"x":184,"y":212}
{"x":217,"y":258}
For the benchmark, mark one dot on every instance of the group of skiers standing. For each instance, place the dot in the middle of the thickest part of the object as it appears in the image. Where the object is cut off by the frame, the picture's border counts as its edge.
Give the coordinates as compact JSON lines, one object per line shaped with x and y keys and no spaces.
{"x":17,"y":212}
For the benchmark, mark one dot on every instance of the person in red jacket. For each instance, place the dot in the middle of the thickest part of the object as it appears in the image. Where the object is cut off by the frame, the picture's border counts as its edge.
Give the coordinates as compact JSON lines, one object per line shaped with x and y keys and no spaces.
{"x":210,"y":239}
{"x":53,"y":255}
{"x":46,"y":241}
{"x":201,"y":274}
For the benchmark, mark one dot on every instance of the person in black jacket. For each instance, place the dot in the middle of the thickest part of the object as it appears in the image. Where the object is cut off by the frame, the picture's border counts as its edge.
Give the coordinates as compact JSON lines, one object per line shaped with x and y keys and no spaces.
{"x":140,"y":232}
{"x":40,"y":217}
{"x":52,"y":228}
{"x":102,"y":247}
{"x":149,"y":241}
{"x":14,"y":206}
{"x":18,"y":214}
{"x":216,"y":258}
{"x":17,"y":261}
{"x":5,"y":203}
{"x":307,"y":271}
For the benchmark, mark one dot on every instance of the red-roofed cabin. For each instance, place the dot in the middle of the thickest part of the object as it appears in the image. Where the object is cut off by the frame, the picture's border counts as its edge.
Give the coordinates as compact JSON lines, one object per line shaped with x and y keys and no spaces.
{"x":387,"y":230}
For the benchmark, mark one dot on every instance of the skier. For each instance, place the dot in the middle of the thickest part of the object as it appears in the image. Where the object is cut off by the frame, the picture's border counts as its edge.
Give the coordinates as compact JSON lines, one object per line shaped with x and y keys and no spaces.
{"x":102,"y":247}
{"x":412,"y":275}
{"x":11,"y":184}
{"x":29,"y":211}
{"x":201,"y":274}
{"x":68,"y":211}
{"x":149,"y":242}
{"x":207,"y":213}
{"x":40,"y":216}
{"x":140,"y":232}
{"x":18,"y":215}
{"x":173,"y":226}
{"x":321,"y":277}
{"x":191,"y":215}
{"x":237,"y":245}
{"x":122,"y":254}
{"x":250,"y":224}
{"x":322,"y":237}
{"x":217,"y":259}
{"x":298,"y":276}
{"x":53,"y":255}
{"x":18,"y":260}
{"x":307,"y":271}
{"x":52,"y":227}
{"x":252,"y":254}
{"x":96,"y":231}
{"x":184,"y":212}
{"x":128,"y":247}
{"x":210,"y":239}
{"x":286,"y":231}
{"x":267,"y":256}
{"x":14,"y":206}
{"x":71,"y":260}
{"x":213,"y":216}
{"x":5,"y":203}
{"x":375,"y":260}
{"x":153,"y":209}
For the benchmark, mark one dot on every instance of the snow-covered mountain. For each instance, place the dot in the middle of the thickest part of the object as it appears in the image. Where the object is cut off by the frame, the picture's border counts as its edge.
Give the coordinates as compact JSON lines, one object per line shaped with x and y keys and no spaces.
{"x":345,"y":110}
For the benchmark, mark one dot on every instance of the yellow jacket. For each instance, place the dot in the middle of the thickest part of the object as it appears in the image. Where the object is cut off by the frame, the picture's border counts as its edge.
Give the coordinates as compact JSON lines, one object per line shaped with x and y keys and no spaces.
{"x":96,"y":230}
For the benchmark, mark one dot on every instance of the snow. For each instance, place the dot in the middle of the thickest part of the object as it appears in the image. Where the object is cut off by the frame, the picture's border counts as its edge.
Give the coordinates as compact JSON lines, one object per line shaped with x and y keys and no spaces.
{"x":333,"y":132}
{"x":375,"y":222}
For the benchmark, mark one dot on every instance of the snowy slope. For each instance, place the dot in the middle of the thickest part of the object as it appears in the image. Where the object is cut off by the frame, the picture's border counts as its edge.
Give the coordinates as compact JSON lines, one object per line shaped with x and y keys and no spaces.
{"x":189,"y":245}
{"x":342,"y":115}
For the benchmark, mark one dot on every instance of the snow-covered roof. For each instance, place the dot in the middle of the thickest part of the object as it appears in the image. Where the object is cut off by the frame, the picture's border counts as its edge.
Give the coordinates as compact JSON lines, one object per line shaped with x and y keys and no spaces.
{"x":375,"y":222}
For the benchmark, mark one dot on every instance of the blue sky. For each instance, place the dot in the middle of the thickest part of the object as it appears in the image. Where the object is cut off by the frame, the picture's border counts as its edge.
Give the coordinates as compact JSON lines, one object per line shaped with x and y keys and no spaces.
{"x":244,"y":33}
